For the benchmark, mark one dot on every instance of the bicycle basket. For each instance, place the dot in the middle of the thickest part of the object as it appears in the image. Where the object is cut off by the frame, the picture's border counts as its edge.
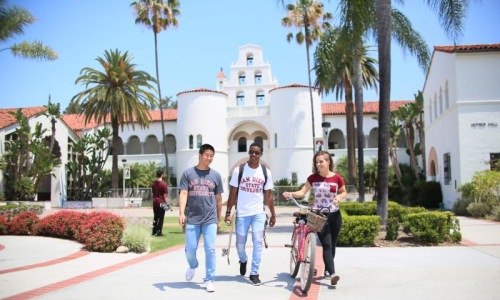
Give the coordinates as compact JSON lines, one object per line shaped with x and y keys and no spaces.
{"x":315,"y":222}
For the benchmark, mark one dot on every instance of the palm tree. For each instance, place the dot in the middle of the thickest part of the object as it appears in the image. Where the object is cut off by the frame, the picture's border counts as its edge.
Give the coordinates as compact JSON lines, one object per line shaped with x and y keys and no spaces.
{"x":12,"y":23}
{"x":53,"y":112}
{"x":309,"y":16}
{"x":451,"y":14}
{"x":334,"y":69}
{"x":158,"y":16}
{"x":120,"y":93}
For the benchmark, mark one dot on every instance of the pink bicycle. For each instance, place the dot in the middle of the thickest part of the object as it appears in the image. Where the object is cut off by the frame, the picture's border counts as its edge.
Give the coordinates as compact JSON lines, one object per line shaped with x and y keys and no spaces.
{"x":303,"y":246}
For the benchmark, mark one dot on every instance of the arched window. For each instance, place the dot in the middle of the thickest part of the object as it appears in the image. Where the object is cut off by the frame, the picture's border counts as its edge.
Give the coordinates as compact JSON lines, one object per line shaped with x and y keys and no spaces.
{"x":151,"y":146}
{"x":240,"y":99}
{"x":171,"y":144}
{"x":440,"y":101}
{"x":259,"y":140}
{"x":249,"y":60}
{"x":134,"y":145}
{"x":275,"y":140}
{"x":191,"y":142}
{"x":435,"y":107}
{"x":446,"y":96}
{"x":242,"y":144}
{"x":198,"y":141}
{"x":242,"y":79}
{"x":261,"y":98}
{"x":258,"y":78}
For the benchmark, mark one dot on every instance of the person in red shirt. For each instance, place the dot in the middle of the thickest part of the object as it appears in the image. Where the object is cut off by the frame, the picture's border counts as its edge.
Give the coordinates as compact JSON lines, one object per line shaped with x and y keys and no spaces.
{"x":329,"y":189}
{"x":160,"y":191}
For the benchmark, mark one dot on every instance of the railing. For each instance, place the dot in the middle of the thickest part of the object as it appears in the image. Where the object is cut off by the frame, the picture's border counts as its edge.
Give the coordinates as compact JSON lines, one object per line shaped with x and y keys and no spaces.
{"x":248,"y":111}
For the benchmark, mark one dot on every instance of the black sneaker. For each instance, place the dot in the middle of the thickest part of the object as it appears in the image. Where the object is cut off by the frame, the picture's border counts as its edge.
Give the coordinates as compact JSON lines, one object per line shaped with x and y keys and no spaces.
{"x":255,"y":279}
{"x":243,"y":268}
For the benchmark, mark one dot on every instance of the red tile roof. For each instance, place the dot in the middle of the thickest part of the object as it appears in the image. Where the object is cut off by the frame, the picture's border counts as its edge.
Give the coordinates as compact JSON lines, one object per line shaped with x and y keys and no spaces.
{"x":77,"y":121}
{"x":468,"y":48}
{"x":201,"y":90}
{"x":6,"y":119}
{"x":369,"y":107}
{"x":221,"y":75}
{"x":293,"y":85}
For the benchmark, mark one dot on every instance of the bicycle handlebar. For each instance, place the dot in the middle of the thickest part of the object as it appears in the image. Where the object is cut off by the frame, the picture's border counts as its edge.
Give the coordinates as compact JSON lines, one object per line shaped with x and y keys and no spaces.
{"x":297,"y":203}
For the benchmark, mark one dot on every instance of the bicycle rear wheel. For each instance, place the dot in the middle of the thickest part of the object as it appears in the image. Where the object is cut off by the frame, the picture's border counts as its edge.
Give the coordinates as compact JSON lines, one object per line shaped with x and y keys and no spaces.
{"x":307,"y":265}
{"x":294,"y":250}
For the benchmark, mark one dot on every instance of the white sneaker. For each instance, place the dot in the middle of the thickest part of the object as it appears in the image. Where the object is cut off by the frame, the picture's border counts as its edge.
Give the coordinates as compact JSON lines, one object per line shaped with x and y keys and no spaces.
{"x":210,"y":286}
{"x":190,"y":274}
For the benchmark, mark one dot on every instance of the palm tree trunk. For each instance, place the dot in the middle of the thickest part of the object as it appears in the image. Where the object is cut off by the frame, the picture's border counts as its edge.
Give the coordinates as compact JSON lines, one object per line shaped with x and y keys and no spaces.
{"x":383,"y":12}
{"x":167,"y":173}
{"x":310,"y":93}
{"x":351,"y":146}
{"x":358,"y":98}
{"x":114,"y":165}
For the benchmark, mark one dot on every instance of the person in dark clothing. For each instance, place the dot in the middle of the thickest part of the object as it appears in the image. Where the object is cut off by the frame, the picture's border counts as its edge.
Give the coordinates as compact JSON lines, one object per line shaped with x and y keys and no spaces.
{"x":160,"y":191}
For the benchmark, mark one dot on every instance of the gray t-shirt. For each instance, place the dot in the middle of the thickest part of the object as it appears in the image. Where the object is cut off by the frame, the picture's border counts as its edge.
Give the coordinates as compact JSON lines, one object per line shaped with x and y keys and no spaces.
{"x":202,"y":186}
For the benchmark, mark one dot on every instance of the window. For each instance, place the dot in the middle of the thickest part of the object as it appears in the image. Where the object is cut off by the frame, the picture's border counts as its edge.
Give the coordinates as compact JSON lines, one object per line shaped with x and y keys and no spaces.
{"x":435,"y":107}
{"x":191,"y":142}
{"x":447,"y":168}
{"x":430,"y":112}
{"x":259,"y":140}
{"x":240,"y":99}
{"x":495,"y":161}
{"x":250,"y":60}
{"x":198,"y":141}
{"x":261,"y":98}
{"x":258,"y":78}
{"x":440,"y":101}
{"x":242,"y":79}
{"x":275,"y":140}
{"x":242,"y":144}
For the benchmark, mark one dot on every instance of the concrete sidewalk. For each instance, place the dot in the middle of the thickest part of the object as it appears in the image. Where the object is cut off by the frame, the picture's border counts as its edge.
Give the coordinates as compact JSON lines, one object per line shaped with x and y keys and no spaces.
{"x":47,"y":268}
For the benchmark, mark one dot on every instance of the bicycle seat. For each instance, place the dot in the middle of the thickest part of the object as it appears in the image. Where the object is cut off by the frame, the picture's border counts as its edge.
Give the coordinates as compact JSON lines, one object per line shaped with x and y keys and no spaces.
{"x":297,"y":214}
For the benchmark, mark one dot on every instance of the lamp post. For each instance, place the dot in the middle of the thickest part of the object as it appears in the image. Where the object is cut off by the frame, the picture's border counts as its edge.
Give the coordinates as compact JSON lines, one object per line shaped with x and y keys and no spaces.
{"x":326,"y":126}
{"x":124,"y":161}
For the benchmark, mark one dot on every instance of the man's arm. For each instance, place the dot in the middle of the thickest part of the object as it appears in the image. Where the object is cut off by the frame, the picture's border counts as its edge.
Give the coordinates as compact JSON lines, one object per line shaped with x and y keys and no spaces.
{"x":270,"y":204}
{"x":231,"y":201}
{"x":218,"y":198}
{"x":182,"y":206}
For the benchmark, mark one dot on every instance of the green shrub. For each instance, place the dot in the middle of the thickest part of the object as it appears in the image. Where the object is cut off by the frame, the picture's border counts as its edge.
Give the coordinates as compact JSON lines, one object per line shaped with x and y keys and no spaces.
{"x":359,"y":230}
{"x":359,"y":209}
{"x":460,"y":207}
{"x":392,"y":229}
{"x":137,"y":235}
{"x":495,"y":213}
{"x":432,"y":227}
{"x":102,"y":232}
{"x":478,"y":209}
{"x":429,"y":194}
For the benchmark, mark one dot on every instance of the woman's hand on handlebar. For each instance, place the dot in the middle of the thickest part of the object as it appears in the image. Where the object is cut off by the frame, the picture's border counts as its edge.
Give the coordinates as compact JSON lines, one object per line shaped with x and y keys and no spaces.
{"x":287,"y":195}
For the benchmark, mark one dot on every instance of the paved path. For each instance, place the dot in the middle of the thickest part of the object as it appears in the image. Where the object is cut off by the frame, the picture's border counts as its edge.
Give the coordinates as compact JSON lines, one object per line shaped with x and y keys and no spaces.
{"x":47,"y":268}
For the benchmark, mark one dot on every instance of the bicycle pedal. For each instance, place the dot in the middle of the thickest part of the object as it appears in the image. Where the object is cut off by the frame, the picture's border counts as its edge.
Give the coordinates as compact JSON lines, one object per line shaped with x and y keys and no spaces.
{"x":224,"y":252}
{"x":288,"y":246}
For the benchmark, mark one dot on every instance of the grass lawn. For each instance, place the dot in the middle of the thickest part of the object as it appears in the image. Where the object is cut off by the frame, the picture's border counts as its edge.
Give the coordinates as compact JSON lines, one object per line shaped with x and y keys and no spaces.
{"x":172,"y":234}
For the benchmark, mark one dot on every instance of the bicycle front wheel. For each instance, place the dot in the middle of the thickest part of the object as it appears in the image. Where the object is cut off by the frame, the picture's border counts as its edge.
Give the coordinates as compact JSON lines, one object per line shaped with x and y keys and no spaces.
{"x":307,"y":265}
{"x":294,"y":263}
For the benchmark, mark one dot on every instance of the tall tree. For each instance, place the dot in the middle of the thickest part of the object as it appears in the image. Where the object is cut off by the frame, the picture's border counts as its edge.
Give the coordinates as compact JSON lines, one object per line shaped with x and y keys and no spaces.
{"x":13,"y":20}
{"x":334,"y":69}
{"x":451,"y":15}
{"x":120,"y":94}
{"x":309,"y":16}
{"x":158,"y":15}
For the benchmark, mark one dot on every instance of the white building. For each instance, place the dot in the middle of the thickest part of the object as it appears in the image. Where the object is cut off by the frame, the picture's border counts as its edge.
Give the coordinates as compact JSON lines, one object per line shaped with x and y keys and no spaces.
{"x":462,"y":114}
{"x":246,"y":107}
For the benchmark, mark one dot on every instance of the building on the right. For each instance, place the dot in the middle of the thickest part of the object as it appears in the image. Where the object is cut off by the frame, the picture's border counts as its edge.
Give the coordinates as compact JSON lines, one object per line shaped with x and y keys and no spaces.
{"x":462,"y":115}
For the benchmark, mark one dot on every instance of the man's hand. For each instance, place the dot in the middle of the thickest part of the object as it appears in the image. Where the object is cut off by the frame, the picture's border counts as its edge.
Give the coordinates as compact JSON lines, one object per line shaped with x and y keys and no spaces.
{"x":182,"y":220}
{"x":227,"y":220}
{"x":272,"y":221}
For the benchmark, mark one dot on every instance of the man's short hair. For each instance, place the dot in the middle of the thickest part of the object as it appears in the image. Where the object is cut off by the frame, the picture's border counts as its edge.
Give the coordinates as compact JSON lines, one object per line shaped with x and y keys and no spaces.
{"x":206,"y":147}
{"x":159,"y":172}
{"x":255,"y":144}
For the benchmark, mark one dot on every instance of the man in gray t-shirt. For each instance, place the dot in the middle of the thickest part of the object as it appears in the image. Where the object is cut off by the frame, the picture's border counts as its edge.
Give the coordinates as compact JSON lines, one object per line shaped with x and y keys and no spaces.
{"x":200,"y":205}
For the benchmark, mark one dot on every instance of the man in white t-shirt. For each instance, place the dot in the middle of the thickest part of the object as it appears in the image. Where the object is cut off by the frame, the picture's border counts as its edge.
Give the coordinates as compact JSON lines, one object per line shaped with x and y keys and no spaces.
{"x":251,"y":195}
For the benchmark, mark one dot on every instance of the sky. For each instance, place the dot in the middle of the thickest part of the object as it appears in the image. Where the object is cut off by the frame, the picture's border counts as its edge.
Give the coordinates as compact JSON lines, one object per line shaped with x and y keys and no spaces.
{"x":206,"y":40}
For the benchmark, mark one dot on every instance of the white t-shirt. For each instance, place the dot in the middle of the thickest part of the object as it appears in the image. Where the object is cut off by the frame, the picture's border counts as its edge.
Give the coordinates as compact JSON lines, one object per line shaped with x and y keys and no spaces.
{"x":251,"y":191}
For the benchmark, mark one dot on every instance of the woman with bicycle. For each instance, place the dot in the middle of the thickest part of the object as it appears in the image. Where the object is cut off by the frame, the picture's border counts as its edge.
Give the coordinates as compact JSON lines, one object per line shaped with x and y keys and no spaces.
{"x":329,"y":189}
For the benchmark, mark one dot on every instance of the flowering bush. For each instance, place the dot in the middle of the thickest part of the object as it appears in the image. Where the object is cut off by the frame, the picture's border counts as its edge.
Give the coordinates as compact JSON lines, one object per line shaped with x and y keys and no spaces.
{"x":137,"y":235}
{"x":23,"y":223}
{"x":4,"y":225}
{"x":11,"y":210}
{"x":102,"y":232}
{"x":64,"y":224}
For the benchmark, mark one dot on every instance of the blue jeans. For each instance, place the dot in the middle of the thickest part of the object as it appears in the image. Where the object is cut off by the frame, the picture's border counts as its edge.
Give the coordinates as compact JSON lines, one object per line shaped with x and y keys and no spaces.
{"x":193,"y":233}
{"x":242,"y":226}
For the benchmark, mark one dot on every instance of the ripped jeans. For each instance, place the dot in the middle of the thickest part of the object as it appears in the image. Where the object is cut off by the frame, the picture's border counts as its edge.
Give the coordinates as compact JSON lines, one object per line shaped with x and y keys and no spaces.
{"x":242,"y":226}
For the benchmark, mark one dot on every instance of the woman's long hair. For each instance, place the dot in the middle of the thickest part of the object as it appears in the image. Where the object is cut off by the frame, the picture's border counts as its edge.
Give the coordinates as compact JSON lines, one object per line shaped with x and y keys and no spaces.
{"x":326,"y":156}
